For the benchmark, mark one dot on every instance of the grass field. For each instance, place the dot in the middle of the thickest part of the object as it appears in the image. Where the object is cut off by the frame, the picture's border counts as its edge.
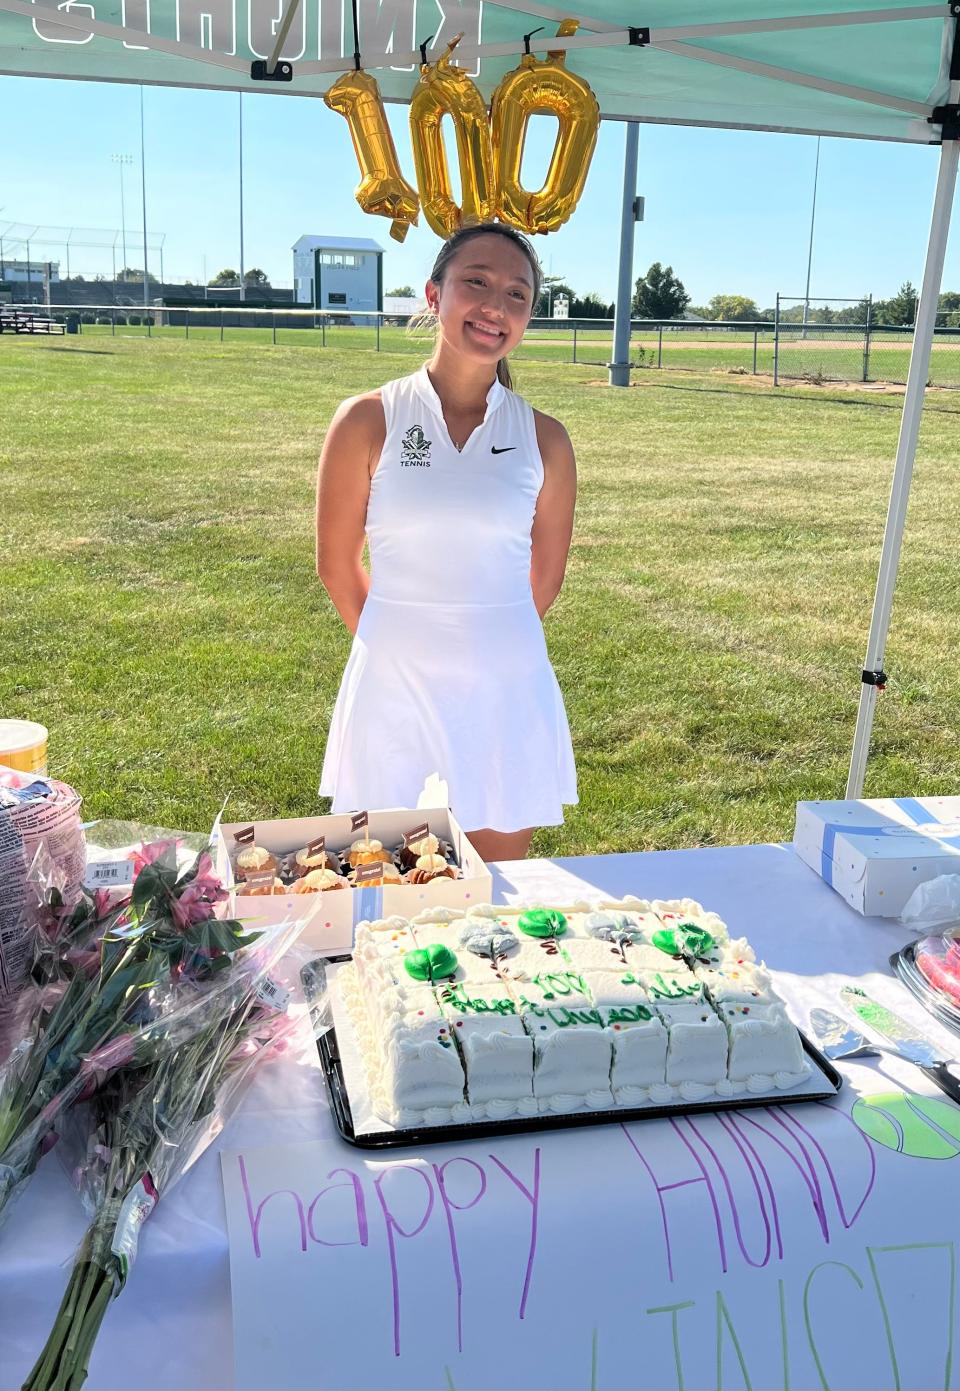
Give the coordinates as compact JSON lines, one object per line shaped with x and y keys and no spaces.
{"x":159,"y":610}
{"x":837,"y":356}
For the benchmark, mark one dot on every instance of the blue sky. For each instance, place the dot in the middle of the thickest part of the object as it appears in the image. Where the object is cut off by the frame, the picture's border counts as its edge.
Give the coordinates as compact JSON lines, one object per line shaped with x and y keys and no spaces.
{"x":729,"y":210}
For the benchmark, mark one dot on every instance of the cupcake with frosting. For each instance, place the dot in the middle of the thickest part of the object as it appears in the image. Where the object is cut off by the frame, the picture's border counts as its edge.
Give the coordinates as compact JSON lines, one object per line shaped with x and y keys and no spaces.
{"x":303,"y":862}
{"x":389,"y":874}
{"x":408,"y":855}
{"x":368,"y":852}
{"x":318,"y":881}
{"x":430,"y":867}
{"x":253,"y":859}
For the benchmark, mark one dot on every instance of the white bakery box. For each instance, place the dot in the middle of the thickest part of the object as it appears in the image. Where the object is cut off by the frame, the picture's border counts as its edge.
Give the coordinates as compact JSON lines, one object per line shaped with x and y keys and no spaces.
{"x":331,"y":928}
{"x":875,"y":853}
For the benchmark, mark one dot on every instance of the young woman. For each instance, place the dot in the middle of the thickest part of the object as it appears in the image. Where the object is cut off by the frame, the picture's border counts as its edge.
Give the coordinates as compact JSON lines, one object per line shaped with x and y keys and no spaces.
{"x":465,"y":495}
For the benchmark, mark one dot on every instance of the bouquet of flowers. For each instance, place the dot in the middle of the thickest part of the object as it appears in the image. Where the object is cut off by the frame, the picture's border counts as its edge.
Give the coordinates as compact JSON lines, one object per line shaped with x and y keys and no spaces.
{"x":134,"y":1139}
{"x":124,"y":985}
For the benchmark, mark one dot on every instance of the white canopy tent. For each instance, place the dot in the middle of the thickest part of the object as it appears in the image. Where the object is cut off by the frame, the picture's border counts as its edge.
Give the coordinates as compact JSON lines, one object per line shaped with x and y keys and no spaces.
{"x":886,"y":70}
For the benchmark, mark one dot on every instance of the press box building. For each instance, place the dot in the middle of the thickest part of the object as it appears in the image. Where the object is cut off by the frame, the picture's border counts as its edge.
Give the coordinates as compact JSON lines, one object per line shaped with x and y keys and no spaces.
{"x":344,"y":273}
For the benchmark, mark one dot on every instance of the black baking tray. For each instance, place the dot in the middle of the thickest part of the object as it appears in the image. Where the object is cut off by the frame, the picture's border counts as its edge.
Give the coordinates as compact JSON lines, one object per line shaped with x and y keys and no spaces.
{"x":314,"y":983}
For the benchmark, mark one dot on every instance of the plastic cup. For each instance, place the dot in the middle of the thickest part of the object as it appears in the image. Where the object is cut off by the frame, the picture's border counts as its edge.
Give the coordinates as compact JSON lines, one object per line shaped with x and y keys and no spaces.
{"x":23,"y":745}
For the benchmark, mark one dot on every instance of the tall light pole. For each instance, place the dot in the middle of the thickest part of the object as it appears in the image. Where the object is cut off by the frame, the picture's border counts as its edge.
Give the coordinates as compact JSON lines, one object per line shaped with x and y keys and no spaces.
{"x":143,"y":189}
{"x":243,"y":293}
{"x":813,"y":214}
{"x":121,"y":160}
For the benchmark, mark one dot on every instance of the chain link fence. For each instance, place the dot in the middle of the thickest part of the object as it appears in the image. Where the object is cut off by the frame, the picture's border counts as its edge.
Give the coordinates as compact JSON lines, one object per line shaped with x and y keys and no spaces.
{"x":842,"y":341}
{"x":786,"y":349}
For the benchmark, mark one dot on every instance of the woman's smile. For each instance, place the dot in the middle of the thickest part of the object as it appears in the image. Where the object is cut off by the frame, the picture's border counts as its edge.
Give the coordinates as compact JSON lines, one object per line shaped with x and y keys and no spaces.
{"x":486,"y":331}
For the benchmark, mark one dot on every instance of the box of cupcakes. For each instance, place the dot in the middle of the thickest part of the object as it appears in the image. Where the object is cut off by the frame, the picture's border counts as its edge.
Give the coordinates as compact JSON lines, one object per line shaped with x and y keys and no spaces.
{"x":365,"y":865}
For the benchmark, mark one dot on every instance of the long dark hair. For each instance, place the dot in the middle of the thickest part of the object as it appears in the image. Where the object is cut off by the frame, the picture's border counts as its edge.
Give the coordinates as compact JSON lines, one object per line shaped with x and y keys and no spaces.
{"x":450,"y":248}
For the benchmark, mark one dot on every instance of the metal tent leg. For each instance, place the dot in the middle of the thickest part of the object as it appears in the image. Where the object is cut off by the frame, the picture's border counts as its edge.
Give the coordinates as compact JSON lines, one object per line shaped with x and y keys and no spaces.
{"x":619,"y":368}
{"x":926,"y":318}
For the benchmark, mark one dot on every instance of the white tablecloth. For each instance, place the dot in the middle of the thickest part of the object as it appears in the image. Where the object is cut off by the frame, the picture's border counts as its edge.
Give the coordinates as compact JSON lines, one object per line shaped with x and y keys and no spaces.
{"x":172,"y":1326}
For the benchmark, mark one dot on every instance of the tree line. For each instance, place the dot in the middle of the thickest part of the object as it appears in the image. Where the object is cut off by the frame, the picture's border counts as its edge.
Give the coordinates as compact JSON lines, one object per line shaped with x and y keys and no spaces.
{"x":659,"y":294}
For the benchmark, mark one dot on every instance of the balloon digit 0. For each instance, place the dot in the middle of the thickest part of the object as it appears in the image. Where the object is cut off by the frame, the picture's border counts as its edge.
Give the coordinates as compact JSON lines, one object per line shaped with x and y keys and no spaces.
{"x":543,"y":87}
{"x":444,"y":90}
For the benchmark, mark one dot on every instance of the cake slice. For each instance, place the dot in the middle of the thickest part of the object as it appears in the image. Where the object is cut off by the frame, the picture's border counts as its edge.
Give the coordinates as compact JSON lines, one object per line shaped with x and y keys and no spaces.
{"x":679,"y":987}
{"x":497,"y":1051}
{"x":378,"y":951}
{"x":470,"y":966}
{"x":697,"y":1047}
{"x":764,"y":1044}
{"x":420,"y":1065}
{"x":688,"y":928}
{"x":637,"y":1035}
{"x":572,"y":1050}
{"x":736,"y":980}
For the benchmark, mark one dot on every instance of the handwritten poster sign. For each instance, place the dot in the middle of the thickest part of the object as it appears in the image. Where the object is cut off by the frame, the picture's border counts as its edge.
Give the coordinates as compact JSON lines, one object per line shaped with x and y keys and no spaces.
{"x":782,"y":1247}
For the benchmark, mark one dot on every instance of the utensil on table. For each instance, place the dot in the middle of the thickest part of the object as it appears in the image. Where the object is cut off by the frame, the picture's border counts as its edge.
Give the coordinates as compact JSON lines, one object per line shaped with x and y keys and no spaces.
{"x":904,"y":1040}
{"x":839,"y":1039}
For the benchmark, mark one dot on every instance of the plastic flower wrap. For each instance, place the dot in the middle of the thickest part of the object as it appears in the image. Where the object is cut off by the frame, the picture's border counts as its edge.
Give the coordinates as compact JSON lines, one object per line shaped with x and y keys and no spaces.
{"x":131,"y":1143}
{"x":36,"y":813}
{"x":123,"y":986}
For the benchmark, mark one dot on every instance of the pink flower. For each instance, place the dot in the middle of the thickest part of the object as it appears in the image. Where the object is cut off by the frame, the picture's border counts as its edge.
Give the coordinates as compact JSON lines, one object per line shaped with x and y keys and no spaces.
{"x":205,"y":867}
{"x":104,"y":902}
{"x":149,"y":852}
{"x":197,"y":901}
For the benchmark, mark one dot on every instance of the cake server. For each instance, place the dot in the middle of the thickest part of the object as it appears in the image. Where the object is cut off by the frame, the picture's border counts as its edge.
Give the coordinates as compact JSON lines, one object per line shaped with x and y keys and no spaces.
{"x":906,"y":1041}
{"x":838,"y":1038}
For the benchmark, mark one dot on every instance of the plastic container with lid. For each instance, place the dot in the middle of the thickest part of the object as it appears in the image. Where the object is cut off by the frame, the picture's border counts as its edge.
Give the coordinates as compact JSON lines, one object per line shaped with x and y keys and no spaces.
{"x":23,"y":745}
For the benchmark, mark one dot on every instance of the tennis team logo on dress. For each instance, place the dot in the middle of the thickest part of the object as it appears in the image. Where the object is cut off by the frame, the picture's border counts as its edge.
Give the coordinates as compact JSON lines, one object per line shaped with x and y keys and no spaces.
{"x":415,"y":449}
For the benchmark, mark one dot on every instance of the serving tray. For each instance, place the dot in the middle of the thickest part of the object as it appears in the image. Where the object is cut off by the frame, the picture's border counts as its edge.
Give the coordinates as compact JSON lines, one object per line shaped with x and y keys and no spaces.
{"x":350,"y":1099}
{"x":904,"y":963}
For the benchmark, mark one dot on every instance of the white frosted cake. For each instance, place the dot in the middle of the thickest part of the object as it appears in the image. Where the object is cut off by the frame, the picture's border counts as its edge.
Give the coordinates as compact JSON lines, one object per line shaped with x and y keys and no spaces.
{"x":501,"y":1012}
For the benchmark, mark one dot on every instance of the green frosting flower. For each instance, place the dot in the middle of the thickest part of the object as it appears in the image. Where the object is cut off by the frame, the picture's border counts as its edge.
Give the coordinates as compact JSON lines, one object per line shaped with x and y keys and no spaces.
{"x":432,"y":963}
{"x":686,"y":939}
{"x":542,"y":922}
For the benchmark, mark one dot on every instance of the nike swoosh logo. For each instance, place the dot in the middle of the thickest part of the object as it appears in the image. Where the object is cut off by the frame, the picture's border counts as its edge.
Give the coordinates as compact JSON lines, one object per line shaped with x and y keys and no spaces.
{"x":505,"y":450}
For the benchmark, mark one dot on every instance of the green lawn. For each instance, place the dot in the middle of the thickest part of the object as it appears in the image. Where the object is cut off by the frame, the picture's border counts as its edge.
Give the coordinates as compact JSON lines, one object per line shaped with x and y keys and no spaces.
{"x":837,"y":357}
{"x":159,"y":611}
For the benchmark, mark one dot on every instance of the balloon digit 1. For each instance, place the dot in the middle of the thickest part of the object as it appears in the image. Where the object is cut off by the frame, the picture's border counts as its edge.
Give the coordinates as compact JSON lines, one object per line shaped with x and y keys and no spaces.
{"x":382,"y":188}
{"x":543,"y":87}
{"x":444,"y":90}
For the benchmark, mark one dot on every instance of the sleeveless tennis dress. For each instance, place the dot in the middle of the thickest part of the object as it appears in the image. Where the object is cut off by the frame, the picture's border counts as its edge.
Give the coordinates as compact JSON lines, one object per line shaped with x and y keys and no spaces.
{"x":449,"y":672}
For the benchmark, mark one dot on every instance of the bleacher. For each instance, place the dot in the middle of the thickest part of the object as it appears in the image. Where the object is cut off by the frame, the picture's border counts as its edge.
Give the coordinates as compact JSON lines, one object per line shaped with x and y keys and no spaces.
{"x":14,"y":319}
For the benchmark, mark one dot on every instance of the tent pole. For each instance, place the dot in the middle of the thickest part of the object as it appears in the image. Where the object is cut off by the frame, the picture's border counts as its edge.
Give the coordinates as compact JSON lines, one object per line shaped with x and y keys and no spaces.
{"x":619,"y":368}
{"x":926,"y":317}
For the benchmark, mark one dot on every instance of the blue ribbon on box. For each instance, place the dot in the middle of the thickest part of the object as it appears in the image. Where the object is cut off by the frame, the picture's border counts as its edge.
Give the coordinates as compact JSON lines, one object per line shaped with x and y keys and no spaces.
{"x":367,"y":904}
{"x":916,"y":813}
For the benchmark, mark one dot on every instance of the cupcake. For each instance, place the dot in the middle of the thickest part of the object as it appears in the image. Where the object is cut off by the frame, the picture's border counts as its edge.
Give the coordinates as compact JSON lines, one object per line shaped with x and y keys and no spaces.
{"x":264,"y":889}
{"x":389,"y":874}
{"x":303,"y":862}
{"x":430,"y":867}
{"x":367,"y":852}
{"x":253,"y":859}
{"x":408,"y":855}
{"x":318,"y":881}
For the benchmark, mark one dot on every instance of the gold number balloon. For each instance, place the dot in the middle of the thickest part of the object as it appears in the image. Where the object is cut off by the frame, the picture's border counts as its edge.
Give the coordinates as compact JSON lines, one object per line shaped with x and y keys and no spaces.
{"x":543,"y":86}
{"x":382,"y":189}
{"x":444,"y":90}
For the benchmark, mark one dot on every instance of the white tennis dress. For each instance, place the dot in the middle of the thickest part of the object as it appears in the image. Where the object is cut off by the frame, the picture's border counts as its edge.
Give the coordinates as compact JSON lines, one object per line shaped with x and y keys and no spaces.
{"x":449,"y":672}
